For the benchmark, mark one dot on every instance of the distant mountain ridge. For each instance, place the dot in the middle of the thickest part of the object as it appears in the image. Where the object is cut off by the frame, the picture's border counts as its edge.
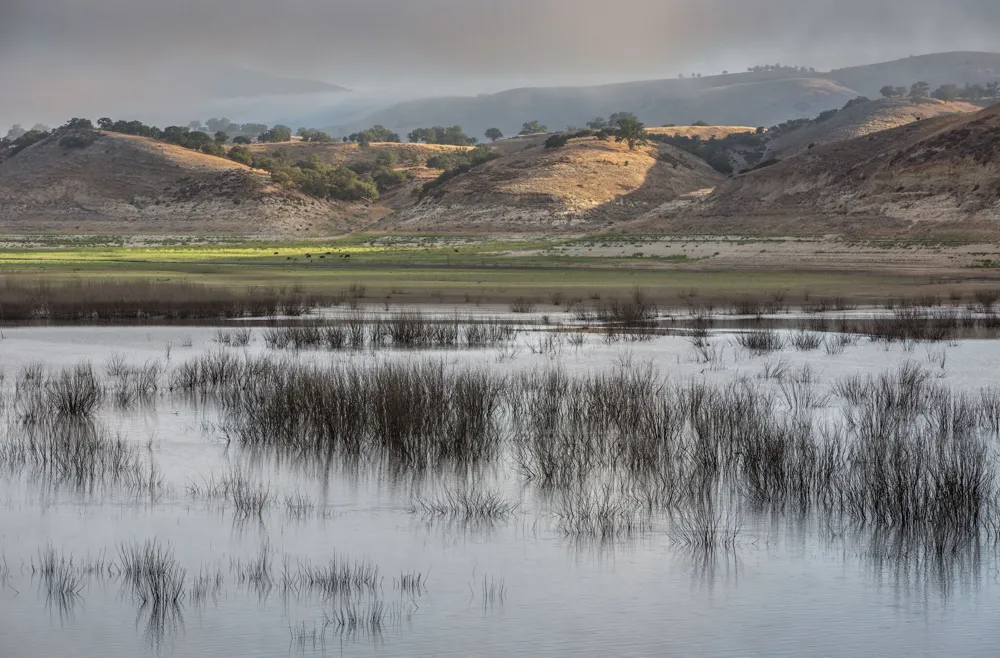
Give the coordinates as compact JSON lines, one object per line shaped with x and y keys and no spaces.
{"x":760,"y":98}
{"x":243,"y":83}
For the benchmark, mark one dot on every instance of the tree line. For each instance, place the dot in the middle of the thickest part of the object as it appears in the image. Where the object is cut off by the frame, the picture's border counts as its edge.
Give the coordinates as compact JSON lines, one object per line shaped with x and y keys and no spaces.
{"x":780,"y":67}
{"x":947,"y":92}
{"x":358,"y":181}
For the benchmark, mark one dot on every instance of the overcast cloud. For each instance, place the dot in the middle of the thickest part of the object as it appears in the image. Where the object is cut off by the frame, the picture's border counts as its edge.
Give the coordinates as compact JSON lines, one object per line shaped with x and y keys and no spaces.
{"x":155,"y":58}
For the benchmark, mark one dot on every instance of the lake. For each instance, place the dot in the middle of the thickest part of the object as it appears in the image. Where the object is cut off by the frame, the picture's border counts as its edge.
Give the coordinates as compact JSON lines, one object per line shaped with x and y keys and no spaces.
{"x":548,"y":491}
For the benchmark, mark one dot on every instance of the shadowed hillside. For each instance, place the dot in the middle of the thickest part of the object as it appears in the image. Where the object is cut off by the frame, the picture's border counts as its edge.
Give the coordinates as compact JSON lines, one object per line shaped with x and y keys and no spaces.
{"x":863,"y":119}
{"x":937,"y":176}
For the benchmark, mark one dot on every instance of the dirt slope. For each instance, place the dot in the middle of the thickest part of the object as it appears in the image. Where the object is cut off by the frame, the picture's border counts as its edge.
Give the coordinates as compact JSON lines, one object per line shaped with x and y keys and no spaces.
{"x":863,"y":119}
{"x":588,"y":184}
{"x":121,"y":183}
{"x":933,"y":177}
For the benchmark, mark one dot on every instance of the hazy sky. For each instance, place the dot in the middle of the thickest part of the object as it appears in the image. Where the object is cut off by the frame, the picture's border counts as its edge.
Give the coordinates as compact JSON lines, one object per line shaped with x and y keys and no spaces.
{"x":156,"y":58}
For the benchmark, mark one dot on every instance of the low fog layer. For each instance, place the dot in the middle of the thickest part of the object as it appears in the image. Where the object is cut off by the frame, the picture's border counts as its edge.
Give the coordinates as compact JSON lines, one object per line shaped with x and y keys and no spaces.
{"x":163,"y":61}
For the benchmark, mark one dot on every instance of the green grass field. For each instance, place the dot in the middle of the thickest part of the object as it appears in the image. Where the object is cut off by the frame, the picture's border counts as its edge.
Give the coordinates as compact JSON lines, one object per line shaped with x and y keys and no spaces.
{"x":435,"y":269}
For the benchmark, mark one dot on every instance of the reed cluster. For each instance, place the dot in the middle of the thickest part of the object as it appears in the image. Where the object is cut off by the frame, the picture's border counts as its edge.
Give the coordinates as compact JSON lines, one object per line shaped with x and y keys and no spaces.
{"x":404,"y":330}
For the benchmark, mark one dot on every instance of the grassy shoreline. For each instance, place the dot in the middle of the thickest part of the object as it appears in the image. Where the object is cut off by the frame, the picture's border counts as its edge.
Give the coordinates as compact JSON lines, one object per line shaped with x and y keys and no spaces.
{"x":462,"y":269}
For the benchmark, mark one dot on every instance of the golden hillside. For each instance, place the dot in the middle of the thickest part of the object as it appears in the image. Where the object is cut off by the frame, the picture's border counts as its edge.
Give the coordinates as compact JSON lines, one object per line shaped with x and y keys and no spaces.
{"x":702,"y":132}
{"x":932,"y":177}
{"x":123,"y":183}
{"x":588,"y":184}
{"x":338,"y":153}
{"x":864,"y":119}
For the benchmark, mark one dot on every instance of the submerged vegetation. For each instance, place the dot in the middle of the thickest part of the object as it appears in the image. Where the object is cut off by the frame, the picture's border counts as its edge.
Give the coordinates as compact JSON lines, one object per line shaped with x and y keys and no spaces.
{"x":897,"y":460}
{"x":622,"y":447}
{"x":406,"y":330}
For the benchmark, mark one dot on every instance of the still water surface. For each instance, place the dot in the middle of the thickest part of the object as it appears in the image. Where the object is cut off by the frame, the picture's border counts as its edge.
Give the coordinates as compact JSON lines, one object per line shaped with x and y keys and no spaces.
{"x":789,"y":587}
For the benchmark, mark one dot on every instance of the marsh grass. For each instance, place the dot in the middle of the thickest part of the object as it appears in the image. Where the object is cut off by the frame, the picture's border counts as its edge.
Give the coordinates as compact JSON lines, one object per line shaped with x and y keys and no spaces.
{"x":801,"y":394}
{"x":492,"y":592}
{"x":805,"y":341}
{"x":209,"y":372}
{"x":299,"y":506}
{"x":638,"y":311}
{"x":132,"y":385}
{"x":234,"y":337}
{"x":702,"y":527}
{"x":71,"y":393}
{"x":760,"y":342}
{"x":304,"y":637}
{"x":414,"y":415}
{"x":74,"y":392}
{"x":206,"y":586}
{"x":835,"y":344}
{"x":598,"y":513}
{"x":305,"y":335}
{"x":522,"y":305}
{"x":81,"y":455}
{"x":152,"y":573}
{"x":340,"y":577}
{"x":470,"y":504}
{"x":256,"y":572}
{"x":60,"y":578}
{"x":370,"y":618}
{"x":411,"y":583}
{"x":401,"y":330}
{"x":248,"y":497}
{"x":617,"y":450}
{"x":775,"y":369}
{"x":913,"y":324}
{"x":706,"y":352}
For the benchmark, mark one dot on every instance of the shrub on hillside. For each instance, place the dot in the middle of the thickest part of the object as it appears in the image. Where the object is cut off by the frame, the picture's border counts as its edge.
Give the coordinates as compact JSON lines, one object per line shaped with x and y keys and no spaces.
{"x":466,"y":161}
{"x":78,"y":140}
{"x":556,"y":141}
{"x":27,"y":139}
{"x":241,"y":154}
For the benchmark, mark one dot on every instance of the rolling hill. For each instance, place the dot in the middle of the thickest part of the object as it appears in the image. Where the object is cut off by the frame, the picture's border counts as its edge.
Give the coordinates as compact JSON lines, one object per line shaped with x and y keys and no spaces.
{"x":587,"y":185}
{"x":113,"y":183}
{"x":863,"y":119}
{"x":934,"y":177}
{"x":726,"y":102}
